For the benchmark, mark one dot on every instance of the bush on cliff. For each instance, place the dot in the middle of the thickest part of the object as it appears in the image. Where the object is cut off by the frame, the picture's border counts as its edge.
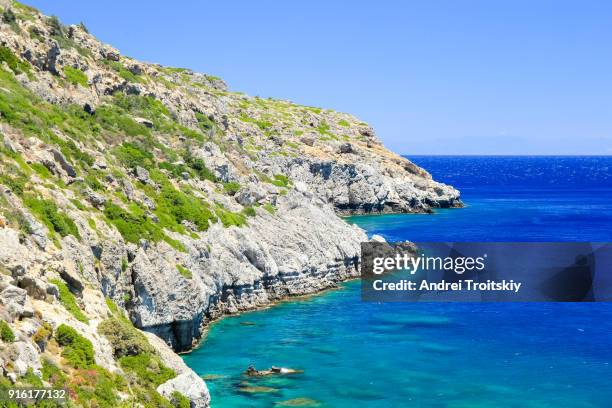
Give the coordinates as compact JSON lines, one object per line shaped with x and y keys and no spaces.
{"x":54,"y":219}
{"x":53,"y":374}
{"x":186,"y":273}
{"x":78,"y":351}
{"x":182,"y":207}
{"x":68,"y":300}
{"x":75,"y":76}
{"x":122,"y":71}
{"x":124,"y":338}
{"x":6,"y":334}
{"x":132,"y":155}
{"x":145,"y":106}
{"x":200,"y":168}
{"x":112,"y":118}
{"x":231,"y":187}
{"x":280,"y":180}
{"x":204,"y":122}
{"x":132,"y":227}
{"x":15,"y":64}
{"x":229,"y":218}
{"x":148,"y":369}
{"x":179,"y":400}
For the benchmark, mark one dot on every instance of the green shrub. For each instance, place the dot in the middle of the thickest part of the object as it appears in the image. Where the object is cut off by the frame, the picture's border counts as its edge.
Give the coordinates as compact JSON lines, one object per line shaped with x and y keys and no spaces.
{"x":55,"y":26}
{"x":281,"y":180}
{"x":124,"y":338}
{"x":132,"y":155}
{"x":124,"y":264}
{"x":6,"y":333}
{"x":76,"y":76}
{"x":96,"y":387}
{"x":148,"y":368}
{"x":180,"y":207}
{"x":343,"y":122}
{"x":92,"y":181}
{"x":261,"y":124}
{"x":111,"y":117}
{"x":312,"y":109}
{"x":8,"y":16}
{"x":83,"y":27}
{"x":15,"y":64}
{"x":200,"y":168}
{"x":54,"y":219}
{"x":132,"y":227}
{"x":113,"y":308}
{"x":68,"y":300}
{"x":52,"y":373}
{"x":146,"y":106}
{"x":231,"y":187}
{"x":31,"y":379}
{"x":204,"y":122}
{"x":78,"y":204}
{"x":123,"y":72}
{"x":78,"y":350}
{"x":184,"y":271}
{"x":17,"y":183}
{"x":249,"y":211}
{"x":323,"y":128}
{"x":41,"y":170}
{"x":269,"y":208}
{"x":179,"y":400}
{"x":229,"y":218}
{"x":176,"y":170}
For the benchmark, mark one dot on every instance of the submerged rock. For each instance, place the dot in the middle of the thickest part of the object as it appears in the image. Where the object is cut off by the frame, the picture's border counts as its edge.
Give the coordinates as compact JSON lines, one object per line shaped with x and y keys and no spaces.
{"x":299,"y":402}
{"x":257,"y":389}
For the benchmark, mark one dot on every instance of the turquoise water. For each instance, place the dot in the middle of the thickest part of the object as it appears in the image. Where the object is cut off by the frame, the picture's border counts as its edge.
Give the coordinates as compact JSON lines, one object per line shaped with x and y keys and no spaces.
{"x":443,"y":354}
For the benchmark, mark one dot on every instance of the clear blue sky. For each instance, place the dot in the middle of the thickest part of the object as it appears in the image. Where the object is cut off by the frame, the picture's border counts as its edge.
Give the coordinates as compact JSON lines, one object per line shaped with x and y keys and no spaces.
{"x":432,"y":77}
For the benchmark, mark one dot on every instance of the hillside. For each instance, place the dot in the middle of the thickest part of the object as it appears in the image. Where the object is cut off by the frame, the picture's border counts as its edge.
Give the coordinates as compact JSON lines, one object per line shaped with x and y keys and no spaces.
{"x":138,"y":196}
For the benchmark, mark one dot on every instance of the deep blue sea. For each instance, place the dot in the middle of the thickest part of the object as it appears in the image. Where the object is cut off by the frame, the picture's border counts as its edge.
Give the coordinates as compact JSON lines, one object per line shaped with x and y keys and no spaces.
{"x":442,"y":355}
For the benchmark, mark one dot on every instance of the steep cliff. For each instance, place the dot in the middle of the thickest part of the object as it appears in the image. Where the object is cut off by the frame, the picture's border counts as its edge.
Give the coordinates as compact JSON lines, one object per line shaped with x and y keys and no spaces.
{"x":138,"y":194}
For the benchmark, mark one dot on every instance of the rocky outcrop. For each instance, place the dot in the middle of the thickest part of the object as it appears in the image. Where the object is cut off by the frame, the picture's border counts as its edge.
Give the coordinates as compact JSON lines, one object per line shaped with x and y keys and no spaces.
{"x":190,"y":385}
{"x":370,"y":186}
{"x":239,"y":269}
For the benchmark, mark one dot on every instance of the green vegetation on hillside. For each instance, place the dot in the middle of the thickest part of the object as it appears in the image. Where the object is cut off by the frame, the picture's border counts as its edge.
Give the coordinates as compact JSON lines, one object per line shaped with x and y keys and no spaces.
{"x":6,"y":334}
{"x":184,"y":271}
{"x":54,"y":219}
{"x":281,"y":180}
{"x":68,"y":300}
{"x":75,"y":76}
{"x":145,"y":370}
{"x":132,"y":155}
{"x":17,"y":65}
{"x":78,"y":351}
{"x":123,"y":72}
{"x":231,"y":187}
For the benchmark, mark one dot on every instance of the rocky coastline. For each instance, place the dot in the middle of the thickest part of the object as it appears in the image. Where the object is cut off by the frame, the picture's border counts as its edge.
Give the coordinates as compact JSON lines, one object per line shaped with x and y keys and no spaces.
{"x":155,"y":199}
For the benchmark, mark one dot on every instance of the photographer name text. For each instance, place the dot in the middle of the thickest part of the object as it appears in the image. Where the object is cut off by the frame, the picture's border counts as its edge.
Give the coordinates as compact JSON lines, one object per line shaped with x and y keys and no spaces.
{"x":460,"y":285}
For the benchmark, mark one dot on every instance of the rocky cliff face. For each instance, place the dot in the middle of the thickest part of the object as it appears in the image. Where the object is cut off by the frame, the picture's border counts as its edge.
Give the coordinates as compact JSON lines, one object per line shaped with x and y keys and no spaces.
{"x":148,"y":195}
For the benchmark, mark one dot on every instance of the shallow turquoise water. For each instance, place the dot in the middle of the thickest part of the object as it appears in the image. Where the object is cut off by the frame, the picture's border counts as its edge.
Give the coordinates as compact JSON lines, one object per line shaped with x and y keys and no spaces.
{"x":442,"y":354}
{"x":426,"y":355}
